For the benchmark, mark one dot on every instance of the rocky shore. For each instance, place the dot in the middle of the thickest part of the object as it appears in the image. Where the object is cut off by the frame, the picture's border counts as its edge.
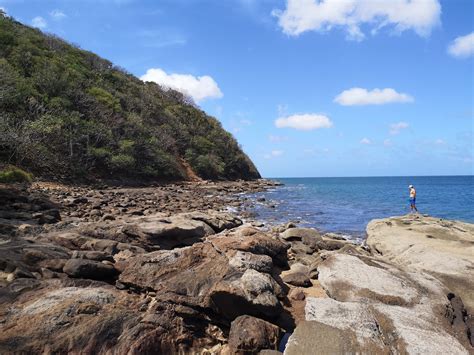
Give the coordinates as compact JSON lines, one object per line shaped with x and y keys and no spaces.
{"x":168,"y":269}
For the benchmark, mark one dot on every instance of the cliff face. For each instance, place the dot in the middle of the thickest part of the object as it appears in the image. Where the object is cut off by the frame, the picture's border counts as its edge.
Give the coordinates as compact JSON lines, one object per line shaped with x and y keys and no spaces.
{"x":68,"y":113}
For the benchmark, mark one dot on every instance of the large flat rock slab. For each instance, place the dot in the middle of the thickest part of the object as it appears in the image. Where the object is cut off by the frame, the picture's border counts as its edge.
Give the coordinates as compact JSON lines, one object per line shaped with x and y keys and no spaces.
{"x":440,"y":247}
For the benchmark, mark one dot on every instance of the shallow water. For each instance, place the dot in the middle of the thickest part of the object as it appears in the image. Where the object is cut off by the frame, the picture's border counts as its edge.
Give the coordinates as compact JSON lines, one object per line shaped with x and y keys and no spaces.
{"x":346,"y":205}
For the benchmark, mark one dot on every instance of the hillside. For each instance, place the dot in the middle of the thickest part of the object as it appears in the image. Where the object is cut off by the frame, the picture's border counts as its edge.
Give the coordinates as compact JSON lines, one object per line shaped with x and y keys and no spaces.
{"x":67,"y":113}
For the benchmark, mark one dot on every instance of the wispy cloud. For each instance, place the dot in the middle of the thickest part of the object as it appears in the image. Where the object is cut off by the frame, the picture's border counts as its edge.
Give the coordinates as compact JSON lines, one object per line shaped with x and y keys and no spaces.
{"x":301,"y":16}
{"x":304,"y":122}
{"x":39,"y":22}
{"x":361,"y":96}
{"x":395,"y":128}
{"x":57,"y":15}
{"x":273,"y":154}
{"x":463,"y":46}
{"x":365,"y":141}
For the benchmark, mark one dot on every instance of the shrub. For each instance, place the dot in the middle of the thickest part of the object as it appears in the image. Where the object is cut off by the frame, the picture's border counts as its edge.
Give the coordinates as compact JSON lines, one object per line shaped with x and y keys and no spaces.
{"x":13,"y":174}
{"x":105,"y":98}
{"x":122,"y":162}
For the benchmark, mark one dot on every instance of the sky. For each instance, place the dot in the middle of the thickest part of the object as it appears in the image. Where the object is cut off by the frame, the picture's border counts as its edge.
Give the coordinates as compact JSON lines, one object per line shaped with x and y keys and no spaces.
{"x":307,"y":87}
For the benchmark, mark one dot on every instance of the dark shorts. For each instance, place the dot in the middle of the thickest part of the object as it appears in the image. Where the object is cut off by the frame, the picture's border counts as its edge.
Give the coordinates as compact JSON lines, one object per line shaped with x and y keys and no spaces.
{"x":412,"y":201}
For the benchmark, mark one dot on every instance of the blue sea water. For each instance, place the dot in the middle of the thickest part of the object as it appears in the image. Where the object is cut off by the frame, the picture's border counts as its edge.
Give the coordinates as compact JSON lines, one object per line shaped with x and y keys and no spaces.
{"x":345,"y":205}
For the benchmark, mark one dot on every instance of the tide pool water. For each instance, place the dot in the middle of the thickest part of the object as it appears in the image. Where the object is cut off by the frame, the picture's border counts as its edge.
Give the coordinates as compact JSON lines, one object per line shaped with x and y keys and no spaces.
{"x":346,"y":205}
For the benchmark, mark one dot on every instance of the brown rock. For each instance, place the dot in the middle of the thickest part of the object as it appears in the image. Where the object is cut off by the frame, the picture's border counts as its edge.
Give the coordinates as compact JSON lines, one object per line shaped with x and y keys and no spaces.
{"x":89,"y":269}
{"x":249,"y":335}
{"x":297,"y":279}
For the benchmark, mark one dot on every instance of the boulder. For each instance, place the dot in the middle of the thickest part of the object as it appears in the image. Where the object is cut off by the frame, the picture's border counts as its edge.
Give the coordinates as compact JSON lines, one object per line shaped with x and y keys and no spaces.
{"x":249,"y":335}
{"x":89,"y":269}
{"x":301,"y":234}
{"x":254,"y":293}
{"x":242,"y":261}
{"x":91,"y":255}
{"x":259,"y":243}
{"x":297,"y":279}
{"x":316,"y":338}
{"x":173,"y":232}
{"x":218,"y":221}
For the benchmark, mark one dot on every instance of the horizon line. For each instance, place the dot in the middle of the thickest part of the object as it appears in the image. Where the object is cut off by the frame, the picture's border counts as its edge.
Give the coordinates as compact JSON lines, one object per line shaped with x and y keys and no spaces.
{"x":360,"y":176}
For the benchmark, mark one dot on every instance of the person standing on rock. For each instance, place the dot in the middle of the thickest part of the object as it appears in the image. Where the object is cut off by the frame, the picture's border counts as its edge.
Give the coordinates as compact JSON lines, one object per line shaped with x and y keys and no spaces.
{"x":412,"y":198}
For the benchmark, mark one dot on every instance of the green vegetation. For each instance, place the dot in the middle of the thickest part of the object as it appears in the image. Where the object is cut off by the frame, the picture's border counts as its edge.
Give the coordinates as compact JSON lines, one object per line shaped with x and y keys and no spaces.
{"x":12,"y":174}
{"x":67,"y":113}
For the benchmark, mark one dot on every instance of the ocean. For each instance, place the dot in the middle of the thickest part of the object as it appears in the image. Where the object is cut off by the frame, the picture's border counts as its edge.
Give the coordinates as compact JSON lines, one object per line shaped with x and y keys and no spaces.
{"x":345,"y":205}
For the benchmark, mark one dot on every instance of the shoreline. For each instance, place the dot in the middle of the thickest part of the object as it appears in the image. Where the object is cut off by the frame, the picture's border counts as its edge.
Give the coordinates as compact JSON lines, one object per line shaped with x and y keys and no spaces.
{"x":167,"y":269}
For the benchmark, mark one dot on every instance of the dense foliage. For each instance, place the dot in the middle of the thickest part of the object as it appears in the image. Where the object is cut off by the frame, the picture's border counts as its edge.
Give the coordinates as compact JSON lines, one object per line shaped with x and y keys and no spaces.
{"x":65,"y":112}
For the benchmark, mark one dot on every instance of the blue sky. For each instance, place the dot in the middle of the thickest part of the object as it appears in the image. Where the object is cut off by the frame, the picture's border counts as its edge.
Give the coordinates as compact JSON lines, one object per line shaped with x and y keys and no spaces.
{"x":308,"y":87}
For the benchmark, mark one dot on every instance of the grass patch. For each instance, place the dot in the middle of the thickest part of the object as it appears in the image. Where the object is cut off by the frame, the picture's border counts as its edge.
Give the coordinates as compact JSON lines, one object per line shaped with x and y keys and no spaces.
{"x":12,"y":174}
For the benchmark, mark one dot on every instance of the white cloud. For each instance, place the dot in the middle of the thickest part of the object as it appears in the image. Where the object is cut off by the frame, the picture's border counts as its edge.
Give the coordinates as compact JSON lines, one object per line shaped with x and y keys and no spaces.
{"x":39,"y":22}
{"x":323,"y":15}
{"x":440,"y":142}
{"x":463,"y":46}
{"x":395,"y":128}
{"x":273,"y":154}
{"x":365,"y":141}
{"x":199,"y":88}
{"x":304,"y":122}
{"x":360,"y":96}
{"x":387,"y":143}
{"x":57,"y":14}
